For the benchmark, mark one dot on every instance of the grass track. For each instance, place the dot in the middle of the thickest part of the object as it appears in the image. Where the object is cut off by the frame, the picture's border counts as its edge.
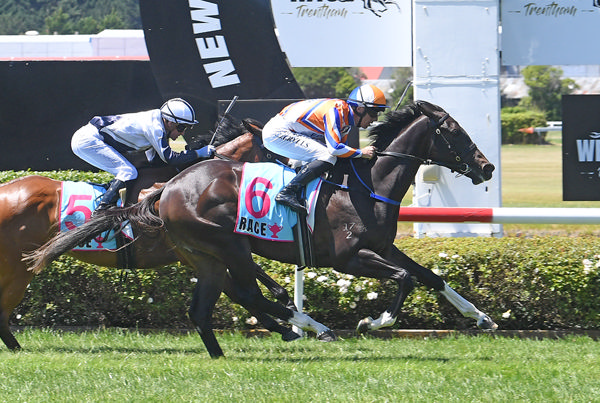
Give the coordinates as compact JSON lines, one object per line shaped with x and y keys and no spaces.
{"x":122,"y":366}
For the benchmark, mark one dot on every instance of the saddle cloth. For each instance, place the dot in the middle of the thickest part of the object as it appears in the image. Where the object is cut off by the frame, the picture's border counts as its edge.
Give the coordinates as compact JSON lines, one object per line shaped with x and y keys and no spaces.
{"x":78,"y":201}
{"x":258,"y":213}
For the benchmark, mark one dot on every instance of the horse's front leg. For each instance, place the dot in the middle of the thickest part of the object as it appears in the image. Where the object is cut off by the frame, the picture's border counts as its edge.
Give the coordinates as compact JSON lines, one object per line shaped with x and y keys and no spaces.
{"x":432,"y":280}
{"x":367,"y":263}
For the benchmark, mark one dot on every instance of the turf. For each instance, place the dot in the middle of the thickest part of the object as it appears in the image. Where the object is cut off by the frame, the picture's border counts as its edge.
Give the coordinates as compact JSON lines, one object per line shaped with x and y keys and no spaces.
{"x":121,"y":366}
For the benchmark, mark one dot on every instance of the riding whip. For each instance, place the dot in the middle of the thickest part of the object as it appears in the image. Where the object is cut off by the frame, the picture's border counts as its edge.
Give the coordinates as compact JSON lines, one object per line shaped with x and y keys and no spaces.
{"x":403,"y":95}
{"x":223,"y":118}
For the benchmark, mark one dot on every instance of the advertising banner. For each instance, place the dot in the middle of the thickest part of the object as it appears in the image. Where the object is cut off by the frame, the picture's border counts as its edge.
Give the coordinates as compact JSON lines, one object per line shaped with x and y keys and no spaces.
{"x":345,"y":33}
{"x":550,"y":32}
{"x":581,"y":147}
{"x":206,"y":50}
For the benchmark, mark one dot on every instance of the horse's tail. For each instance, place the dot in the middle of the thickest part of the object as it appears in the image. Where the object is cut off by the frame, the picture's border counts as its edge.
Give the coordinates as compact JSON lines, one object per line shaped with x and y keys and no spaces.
{"x":142,"y":216}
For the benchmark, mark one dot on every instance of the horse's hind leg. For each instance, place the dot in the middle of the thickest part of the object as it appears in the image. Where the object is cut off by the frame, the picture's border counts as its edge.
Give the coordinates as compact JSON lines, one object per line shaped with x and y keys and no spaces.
{"x":5,"y":334}
{"x":14,"y":279}
{"x":243,"y":273}
{"x":268,"y":322}
{"x":274,"y":288}
{"x":211,"y":277}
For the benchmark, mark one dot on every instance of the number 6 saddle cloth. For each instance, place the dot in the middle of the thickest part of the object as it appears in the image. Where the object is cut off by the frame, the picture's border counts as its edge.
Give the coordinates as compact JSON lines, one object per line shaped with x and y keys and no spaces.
{"x":258,"y":213}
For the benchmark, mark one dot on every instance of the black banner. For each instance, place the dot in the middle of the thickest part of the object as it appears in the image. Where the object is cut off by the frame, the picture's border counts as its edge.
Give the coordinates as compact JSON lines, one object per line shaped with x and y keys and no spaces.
{"x":581,"y":147}
{"x":205,"y":51}
{"x":44,"y":102}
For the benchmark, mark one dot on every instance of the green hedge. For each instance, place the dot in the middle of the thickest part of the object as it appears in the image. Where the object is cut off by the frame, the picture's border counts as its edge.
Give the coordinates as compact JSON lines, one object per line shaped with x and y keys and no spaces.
{"x":513,"y":119}
{"x":522,"y":283}
{"x":535,"y":283}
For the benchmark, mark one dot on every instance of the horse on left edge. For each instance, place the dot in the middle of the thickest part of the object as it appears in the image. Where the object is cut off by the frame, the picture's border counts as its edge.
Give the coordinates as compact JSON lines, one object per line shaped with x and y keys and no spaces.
{"x":30,"y":207}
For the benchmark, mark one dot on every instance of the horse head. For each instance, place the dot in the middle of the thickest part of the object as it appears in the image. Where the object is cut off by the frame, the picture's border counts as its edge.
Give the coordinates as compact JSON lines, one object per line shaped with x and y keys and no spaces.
{"x":427,"y":134}
{"x":453,"y":148}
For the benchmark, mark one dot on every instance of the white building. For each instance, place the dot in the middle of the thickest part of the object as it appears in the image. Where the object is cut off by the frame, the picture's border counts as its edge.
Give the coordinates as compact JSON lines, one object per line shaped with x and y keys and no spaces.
{"x":116,"y":43}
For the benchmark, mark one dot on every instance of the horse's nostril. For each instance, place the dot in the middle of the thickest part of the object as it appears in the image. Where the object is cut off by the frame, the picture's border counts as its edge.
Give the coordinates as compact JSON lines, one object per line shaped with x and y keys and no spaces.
{"x":488,"y":169}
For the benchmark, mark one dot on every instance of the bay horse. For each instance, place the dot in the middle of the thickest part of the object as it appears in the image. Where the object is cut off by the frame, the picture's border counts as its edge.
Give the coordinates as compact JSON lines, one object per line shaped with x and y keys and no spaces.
{"x":29,"y":210}
{"x":355,"y":224}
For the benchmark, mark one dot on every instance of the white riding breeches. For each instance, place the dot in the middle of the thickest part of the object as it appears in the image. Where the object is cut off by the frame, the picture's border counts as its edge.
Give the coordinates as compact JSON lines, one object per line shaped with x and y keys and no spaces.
{"x":87,"y":143}
{"x":280,"y":138}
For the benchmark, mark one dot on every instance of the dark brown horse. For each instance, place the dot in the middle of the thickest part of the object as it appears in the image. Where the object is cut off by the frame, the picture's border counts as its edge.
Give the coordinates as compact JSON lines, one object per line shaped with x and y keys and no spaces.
{"x":354,"y":230}
{"x":30,"y":206}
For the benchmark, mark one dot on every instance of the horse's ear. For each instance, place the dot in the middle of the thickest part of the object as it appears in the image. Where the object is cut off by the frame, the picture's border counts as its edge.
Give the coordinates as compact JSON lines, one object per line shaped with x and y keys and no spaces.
{"x":253,"y":126}
{"x":428,"y":108}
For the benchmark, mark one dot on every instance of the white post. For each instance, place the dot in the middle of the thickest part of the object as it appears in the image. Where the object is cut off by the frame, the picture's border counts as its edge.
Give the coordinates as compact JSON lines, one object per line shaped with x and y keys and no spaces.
{"x":460,"y":73}
{"x":298,"y":295}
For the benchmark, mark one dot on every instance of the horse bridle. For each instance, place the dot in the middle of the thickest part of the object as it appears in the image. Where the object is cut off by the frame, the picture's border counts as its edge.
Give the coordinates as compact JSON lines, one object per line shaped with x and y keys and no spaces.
{"x":460,"y":166}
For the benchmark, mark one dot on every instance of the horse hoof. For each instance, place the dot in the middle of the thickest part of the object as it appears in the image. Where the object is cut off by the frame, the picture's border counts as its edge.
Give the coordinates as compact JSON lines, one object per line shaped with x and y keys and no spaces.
{"x":486,"y":323}
{"x":290,"y":336}
{"x":327,"y":336}
{"x":364,"y":325}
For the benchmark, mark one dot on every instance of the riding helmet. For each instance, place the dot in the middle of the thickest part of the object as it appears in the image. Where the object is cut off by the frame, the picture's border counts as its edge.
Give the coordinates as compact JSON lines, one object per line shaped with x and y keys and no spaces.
{"x":368,"y":96}
{"x":179,"y":111}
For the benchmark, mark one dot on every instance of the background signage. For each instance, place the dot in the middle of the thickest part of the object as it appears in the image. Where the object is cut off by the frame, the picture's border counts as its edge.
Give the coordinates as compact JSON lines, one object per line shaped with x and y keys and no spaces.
{"x":346,"y":33}
{"x":581,"y":147}
{"x":553,"y":32}
{"x":205,"y":51}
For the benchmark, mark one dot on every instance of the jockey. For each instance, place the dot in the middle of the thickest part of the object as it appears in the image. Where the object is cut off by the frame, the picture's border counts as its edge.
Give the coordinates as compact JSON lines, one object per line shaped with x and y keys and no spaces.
{"x":316,"y":131}
{"x":105,"y":140}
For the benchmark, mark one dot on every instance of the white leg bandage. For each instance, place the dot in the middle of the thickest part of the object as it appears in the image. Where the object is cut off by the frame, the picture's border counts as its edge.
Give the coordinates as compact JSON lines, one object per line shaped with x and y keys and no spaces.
{"x":384,"y":320}
{"x":306,"y":323}
{"x":466,"y":308}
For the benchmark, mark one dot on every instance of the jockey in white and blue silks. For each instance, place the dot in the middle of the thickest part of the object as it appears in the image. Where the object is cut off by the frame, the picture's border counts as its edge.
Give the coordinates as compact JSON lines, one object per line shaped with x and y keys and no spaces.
{"x":316,"y":131}
{"x":105,"y":140}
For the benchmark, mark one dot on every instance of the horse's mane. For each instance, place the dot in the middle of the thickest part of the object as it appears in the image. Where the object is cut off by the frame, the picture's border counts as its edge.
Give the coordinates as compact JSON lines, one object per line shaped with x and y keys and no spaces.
{"x":385,"y":132}
{"x":229,"y":127}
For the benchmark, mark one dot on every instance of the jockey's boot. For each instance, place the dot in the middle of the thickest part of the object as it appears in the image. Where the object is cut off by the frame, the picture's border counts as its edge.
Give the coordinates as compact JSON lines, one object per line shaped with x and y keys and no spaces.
{"x":110,"y":197}
{"x":289,"y":194}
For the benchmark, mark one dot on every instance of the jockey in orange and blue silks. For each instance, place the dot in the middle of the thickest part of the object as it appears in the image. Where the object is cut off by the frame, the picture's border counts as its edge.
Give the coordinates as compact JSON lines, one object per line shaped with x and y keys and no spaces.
{"x":316,"y":132}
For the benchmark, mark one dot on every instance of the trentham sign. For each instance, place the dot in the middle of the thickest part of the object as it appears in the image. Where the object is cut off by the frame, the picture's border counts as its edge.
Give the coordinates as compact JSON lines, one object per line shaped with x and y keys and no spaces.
{"x":350,"y":33}
{"x":554,"y":32}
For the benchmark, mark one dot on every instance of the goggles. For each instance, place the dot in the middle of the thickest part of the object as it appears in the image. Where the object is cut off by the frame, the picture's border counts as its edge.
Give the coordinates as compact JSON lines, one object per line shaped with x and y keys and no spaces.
{"x":182,"y":127}
{"x":374,"y":112}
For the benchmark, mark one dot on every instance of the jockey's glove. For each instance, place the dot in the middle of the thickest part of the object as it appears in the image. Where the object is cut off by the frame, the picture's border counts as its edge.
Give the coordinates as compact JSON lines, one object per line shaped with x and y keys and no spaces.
{"x":205,"y":152}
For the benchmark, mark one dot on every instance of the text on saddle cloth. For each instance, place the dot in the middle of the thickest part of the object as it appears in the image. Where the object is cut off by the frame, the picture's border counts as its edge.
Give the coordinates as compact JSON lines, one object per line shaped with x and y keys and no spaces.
{"x":78,"y":201}
{"x":258,"y":213}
